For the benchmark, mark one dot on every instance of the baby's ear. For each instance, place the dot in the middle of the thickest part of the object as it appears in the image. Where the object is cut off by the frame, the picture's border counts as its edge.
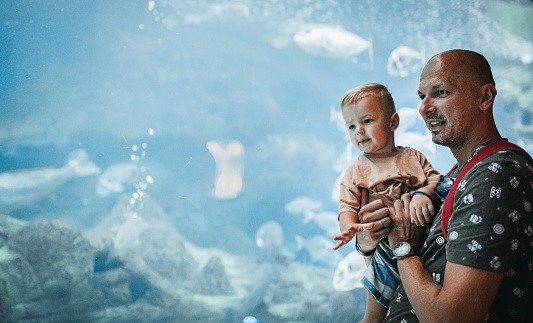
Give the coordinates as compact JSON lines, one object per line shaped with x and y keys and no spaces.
{"x":394,"y":121}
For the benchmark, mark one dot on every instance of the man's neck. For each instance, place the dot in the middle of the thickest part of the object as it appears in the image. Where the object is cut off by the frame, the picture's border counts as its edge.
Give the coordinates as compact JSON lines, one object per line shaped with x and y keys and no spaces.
{"x":463,"y":155}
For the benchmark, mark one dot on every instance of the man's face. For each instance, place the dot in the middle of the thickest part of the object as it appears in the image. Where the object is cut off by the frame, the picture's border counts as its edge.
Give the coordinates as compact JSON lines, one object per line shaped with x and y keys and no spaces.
{"x":448,"y":102}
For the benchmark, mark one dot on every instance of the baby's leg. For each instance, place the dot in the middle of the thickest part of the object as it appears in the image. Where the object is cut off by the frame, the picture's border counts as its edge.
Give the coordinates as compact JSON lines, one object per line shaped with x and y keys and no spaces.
{"x":374,"y":312}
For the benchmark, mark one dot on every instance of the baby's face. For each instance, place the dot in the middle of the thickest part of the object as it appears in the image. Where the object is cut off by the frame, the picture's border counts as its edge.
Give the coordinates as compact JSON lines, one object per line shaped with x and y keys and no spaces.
{"x":369,"y":127}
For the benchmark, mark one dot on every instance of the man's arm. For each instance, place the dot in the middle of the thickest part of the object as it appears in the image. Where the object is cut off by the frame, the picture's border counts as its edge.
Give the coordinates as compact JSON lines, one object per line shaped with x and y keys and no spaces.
{"x":466,"y":294}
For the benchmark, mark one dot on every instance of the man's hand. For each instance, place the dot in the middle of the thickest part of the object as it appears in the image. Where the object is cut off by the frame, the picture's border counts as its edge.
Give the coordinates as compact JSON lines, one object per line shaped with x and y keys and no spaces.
{"x":373,"y":213}
{"x":402,"y":227}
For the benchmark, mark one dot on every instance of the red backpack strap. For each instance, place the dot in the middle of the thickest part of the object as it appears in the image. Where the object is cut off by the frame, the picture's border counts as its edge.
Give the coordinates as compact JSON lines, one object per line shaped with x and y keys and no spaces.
{"x":493,"y":147}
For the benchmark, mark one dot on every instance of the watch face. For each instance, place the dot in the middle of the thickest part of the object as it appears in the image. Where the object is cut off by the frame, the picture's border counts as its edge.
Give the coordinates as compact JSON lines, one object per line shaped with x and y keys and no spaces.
{"x":401,"y":249}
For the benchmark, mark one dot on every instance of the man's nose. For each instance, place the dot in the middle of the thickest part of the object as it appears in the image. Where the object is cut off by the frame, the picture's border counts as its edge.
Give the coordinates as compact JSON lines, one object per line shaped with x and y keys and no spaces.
{"x":426,"y":106}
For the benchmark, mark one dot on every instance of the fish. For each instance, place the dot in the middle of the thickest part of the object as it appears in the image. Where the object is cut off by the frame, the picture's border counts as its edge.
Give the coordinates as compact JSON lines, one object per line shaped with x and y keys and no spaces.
{"x":253,"y":299}
{"x":327,"y":221}
{"x":116,"y":178}
{"x":19,"y":188}
{"x":404,"y":60}
{"x":300,"y":204}
{"x":422,"y":142}
{"x":349,"y":272}
{"x":125,"y":240}
{"x":229,"y":168}
{"x":269,"y":236}
{"x":331,"y":41}
{"x":320,"y":250}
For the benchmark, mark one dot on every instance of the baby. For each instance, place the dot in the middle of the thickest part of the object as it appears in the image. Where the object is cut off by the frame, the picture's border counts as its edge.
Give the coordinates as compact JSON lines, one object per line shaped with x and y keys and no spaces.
{"x":387,"y":172}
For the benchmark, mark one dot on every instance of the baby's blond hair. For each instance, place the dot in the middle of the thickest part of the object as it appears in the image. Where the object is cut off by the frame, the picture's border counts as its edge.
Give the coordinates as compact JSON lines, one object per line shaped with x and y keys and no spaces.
{"x":374,"y":90}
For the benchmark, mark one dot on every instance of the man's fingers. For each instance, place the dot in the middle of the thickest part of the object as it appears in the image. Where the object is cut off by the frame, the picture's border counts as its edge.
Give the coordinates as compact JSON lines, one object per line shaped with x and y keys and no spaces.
{"x":364,"y":196}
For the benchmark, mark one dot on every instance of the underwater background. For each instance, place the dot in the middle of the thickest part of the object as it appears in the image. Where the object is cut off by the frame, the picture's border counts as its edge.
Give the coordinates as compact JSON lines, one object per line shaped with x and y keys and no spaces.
{"x":177,"y":161}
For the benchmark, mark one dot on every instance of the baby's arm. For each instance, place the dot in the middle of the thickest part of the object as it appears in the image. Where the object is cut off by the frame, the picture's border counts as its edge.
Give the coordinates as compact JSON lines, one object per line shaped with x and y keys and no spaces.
{"x":421,"y":207}
{"x":349,"y":227}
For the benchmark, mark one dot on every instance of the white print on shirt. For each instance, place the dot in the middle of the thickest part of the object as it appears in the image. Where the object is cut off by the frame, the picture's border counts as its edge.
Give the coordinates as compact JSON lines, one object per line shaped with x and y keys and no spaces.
{"x":495,"y":263}
{"x":475,"y":219}
{"x":453,"y":235}
{"x":399,"y":298}
{"x":514,"y":182}
{"x":527,"y":206}
{"x":495,"y":167}
{"x":436,"y":277}
{"x":514,"y":244}
{"x":498,"y":228}
{"x":495,"y":192}
{"x":528,"y":231}
{"x":514,"y":216}
{"x":440,"y":241}
{"x":518,"y":292}
{"x":461,"y":186}
{"x":469,"y":199}
{"x":474,"y":246}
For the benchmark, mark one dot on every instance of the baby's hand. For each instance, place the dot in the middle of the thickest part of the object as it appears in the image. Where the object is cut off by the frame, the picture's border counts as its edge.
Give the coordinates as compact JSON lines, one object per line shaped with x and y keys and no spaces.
{"x":421,"y":210}
{"x":347,"y":235}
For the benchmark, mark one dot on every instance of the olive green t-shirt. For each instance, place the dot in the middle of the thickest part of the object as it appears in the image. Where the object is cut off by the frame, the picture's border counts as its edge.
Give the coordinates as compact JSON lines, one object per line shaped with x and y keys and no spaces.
{"x":491,"y":228}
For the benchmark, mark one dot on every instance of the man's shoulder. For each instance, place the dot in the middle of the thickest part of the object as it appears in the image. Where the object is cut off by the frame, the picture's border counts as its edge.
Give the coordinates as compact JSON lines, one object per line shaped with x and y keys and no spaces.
{"x":505,"y":160}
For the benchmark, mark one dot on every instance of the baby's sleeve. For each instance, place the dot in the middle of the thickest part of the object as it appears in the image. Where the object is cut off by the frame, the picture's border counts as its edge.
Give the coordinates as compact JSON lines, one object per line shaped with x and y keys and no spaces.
{"x":350,"y":195}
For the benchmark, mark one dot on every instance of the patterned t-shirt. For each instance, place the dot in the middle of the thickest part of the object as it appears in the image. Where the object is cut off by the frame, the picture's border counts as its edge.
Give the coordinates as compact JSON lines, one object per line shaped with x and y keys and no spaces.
{"x":492,"y":229}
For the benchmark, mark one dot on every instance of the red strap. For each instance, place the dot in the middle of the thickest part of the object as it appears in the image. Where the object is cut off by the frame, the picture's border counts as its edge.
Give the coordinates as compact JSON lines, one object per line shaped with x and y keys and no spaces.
{"x":493,"y":147}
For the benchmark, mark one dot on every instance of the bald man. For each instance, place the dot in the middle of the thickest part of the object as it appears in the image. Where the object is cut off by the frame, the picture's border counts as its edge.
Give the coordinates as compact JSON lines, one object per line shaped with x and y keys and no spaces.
{"x":483,"y":271}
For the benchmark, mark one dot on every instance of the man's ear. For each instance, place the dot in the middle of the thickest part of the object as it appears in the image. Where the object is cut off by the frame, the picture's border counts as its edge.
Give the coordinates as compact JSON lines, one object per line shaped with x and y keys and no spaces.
{"x":488,"y":94}
{"x":394,"y":121}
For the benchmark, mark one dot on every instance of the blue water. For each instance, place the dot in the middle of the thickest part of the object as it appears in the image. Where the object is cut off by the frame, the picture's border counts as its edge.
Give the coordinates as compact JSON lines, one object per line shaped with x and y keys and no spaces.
{"x":98,"y":75}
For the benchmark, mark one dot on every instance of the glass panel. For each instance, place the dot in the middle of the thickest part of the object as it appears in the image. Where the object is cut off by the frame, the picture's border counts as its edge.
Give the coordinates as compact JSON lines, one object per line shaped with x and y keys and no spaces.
{"x":179,"y":160}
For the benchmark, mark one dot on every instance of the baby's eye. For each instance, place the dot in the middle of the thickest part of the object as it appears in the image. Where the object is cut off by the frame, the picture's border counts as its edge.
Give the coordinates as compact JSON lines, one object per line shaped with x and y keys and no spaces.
{"x":368,"y":121}
{"x":351,"y":127}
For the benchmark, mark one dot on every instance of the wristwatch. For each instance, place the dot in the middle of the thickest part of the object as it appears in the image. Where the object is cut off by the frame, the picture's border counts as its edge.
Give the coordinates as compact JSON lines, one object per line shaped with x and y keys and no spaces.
{"x":402,"y":250}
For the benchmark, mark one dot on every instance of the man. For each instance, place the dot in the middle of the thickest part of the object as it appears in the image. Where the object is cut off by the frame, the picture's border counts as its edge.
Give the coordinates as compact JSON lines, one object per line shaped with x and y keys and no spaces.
{"x":483,"y":271}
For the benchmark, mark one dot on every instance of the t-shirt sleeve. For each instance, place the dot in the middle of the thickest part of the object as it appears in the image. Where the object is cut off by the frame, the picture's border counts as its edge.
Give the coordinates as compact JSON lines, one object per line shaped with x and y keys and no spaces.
{"x":350,"y":195}
{"x":432,"y":175}
{"x":492,"y":221}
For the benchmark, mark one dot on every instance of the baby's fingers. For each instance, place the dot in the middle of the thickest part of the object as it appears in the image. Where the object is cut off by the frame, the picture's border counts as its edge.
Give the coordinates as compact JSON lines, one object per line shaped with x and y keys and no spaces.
{"x":338,"y":245}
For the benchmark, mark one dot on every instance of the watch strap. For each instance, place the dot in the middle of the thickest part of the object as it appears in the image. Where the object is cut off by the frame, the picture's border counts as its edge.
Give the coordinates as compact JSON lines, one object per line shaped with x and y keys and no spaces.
{"x":411,"y":253}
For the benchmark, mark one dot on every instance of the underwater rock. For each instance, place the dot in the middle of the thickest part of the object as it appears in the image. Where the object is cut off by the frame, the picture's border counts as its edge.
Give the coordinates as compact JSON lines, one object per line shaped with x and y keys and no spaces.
{"x":214,"y":280}
{"x":46,"y":272}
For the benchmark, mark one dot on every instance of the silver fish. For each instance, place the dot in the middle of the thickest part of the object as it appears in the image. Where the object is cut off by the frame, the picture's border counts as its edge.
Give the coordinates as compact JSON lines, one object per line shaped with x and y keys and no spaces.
{"x":349,"y":272}
{"x":22,"y":187}
{"x":331,"y":41}
{"x":117,"y":178}
{"x":404,"y":60}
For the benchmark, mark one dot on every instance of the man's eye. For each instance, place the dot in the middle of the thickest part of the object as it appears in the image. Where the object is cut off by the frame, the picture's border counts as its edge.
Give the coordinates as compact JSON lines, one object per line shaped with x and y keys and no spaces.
{"x":421,"y":96}
{"x":441,"y":92}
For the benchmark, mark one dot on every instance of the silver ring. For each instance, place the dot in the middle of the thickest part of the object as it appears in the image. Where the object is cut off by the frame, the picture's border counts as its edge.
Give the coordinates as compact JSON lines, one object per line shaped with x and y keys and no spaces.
{"x":381,"y":222}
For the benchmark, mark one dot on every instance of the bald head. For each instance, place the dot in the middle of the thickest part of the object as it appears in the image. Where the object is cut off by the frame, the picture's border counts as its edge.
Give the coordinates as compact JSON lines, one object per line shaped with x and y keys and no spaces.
{"x":465,"y":64}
